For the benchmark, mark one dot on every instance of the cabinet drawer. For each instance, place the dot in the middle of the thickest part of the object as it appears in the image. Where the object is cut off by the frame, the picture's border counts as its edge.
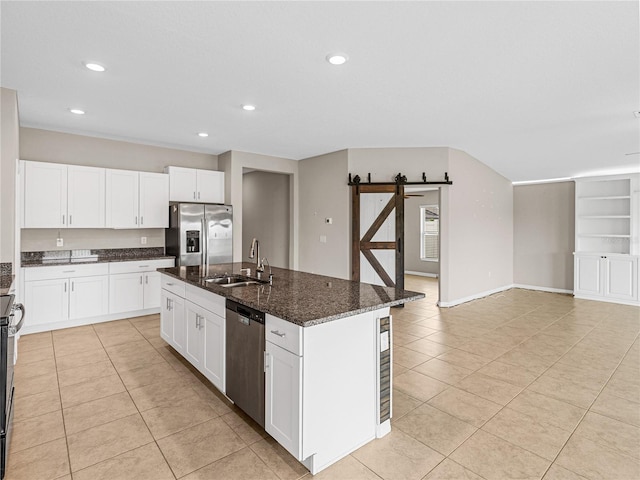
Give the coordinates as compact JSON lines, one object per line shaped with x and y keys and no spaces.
{"x":207,"y":300}
{"x":284,"y":334}
{"x":64,"y":271}
{"x":139,"y":266}
{"x":177,"y":287}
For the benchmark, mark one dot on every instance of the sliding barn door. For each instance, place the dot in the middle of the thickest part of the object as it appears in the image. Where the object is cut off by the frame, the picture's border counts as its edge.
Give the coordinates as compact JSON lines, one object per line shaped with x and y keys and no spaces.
{"x":378,"y":234}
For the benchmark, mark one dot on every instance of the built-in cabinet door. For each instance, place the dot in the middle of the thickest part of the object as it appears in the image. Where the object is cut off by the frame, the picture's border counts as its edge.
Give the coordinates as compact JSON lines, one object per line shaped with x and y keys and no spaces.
{"x":283,"y":389}
{"x":126,"y":292}
{"x":210,"y":186}
{"x":213,"y":363}
{"x":154,"y":200}
{"x":88,"y":296}
{"x":122,"y":199}
{"x":588,"y":277}
{"x":172,"y":320}
{"x":151,"y":290}
{"x":621,"y":274}
{"x":182,"y":184}
{"x":45,"y":195}
{"x":86,"y":197}
{"x":194,"y":321}
{"x":47,"y":300}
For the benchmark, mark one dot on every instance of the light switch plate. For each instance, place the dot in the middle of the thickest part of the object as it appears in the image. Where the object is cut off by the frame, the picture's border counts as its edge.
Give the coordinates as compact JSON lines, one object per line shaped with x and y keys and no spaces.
{"x":59,"y":242}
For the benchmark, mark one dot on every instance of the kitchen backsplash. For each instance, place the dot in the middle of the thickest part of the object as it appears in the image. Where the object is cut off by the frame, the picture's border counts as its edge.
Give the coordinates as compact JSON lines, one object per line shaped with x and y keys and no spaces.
{"x":44,"y":239}
{"x":102,"y":254}
{"x":5,"y":268}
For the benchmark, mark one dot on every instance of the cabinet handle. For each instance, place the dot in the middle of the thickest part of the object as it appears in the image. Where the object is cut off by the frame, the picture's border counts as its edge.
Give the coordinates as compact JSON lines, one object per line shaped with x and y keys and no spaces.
{"x":169,"y":284}
{"x":140,"y":279}
{"x":170,"y":304}
{"x":147,"y":266}
{"x":194,"y":195}
{"x":198,"y":195}
{"x":65,"y":287}
{"x":63,"y":219}
{"x":72,"y":286}
{"x":276,"y":332}
{"x":146,"y":279}
{"x":136,"y":219}
{"x":141,"y":220}
{"x":68,"y":271}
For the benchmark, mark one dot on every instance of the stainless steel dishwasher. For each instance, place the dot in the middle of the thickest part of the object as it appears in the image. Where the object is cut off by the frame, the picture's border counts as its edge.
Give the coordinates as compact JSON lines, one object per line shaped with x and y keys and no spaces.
{"x":245,"y":359}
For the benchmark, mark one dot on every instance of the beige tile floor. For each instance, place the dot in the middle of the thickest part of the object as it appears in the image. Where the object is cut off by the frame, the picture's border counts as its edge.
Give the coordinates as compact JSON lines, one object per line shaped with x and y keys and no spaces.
{"x":521,"y":384}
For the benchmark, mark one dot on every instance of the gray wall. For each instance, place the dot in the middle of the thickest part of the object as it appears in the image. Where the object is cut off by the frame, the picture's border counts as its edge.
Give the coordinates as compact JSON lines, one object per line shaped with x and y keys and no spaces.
{"x":323,"y":181}
{"x":57,"y":147}
{"x":412,"y":237}
{"x":476,"y":230}
{"x":544,"y":226}
{"x":9,"y":153}
{"x":234,"y":164}
{"x":265,"y":203}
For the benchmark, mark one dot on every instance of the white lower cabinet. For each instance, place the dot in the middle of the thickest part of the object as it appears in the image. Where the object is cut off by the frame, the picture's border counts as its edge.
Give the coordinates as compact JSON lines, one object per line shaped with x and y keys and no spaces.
{"x":606,"y":277}
{"x":283,"y":401}
{"x":172,"y":320}
{"x":189,"y":325}
{"x":59,"y":294}
{"x":88,"y":296}
{"x":64,"y":296}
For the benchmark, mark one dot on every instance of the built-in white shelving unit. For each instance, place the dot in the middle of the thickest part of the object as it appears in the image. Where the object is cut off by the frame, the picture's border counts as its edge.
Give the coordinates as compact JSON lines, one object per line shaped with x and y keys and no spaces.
{"x":606,"y":243}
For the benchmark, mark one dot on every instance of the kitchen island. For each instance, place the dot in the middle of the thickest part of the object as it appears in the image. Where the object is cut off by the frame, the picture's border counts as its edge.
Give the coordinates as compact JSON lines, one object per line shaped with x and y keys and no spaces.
{"x":327,"y":351}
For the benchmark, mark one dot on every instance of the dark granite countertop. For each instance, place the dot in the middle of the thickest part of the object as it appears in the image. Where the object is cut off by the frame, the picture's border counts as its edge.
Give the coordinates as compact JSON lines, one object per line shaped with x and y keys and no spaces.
{"x":65,"y":257}
{"x":302,"y":298}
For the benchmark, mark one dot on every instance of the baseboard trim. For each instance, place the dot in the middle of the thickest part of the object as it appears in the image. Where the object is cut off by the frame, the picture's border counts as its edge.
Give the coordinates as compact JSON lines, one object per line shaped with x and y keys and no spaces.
{"x":476,"y":296}
{"x":542,"y":289}
{"x":78,"y":322}
{"x":421,"y":274}
{"x":607,"y":300}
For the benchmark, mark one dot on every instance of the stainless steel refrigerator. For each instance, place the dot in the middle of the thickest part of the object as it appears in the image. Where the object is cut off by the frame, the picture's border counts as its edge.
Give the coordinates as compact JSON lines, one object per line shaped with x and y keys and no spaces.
{"x":200,"y":234}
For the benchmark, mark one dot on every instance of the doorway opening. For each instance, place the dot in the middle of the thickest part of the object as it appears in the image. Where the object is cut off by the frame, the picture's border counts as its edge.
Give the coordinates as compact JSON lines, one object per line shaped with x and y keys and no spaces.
{"x":266,"y":215}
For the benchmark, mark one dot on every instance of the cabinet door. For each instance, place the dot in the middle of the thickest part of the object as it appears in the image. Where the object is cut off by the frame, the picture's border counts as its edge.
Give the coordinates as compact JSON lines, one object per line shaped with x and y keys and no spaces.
{"x":283,"y":400}
{"x":210,"y":186}
{"x":45,"y":195}
{"x":620,"y":278}
{"x":86,"y":197}
{"x":126,"y":292}
{"x":89,"y":296}
{"x":122,"y":199}
{"x":182,"y":184}
{"x":47,"y":300}
{"x":213,"y":363}
{"x":151,"y":290}
{"x":172,"y":320}
{"x":154,"y":200}
{"x":588,"y":275}
{"x":194,"y":322}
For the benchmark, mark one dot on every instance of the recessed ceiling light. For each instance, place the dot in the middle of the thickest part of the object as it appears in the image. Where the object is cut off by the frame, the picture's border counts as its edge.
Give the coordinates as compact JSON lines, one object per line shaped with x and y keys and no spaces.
{"x":76,"y":111}
{"x":636,"y":114}
{"x":249,"y":108}
{"x":96,"y":67}
{"x":203,"y":134}
{"x":337,"y":58}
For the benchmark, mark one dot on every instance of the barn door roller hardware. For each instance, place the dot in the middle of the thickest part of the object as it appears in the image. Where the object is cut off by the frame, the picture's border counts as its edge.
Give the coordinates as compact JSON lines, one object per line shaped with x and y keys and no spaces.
{"x":400,"y":179}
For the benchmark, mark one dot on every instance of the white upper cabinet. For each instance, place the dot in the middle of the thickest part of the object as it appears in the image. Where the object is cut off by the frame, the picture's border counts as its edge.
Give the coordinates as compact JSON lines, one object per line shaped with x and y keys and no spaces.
{"x":122,"y":199}
{"x":45,"y":195}
{"x":193,"y":185}
{"x":85,"y":197}
{"x":154,"y":200}
{"x":137,"y":199}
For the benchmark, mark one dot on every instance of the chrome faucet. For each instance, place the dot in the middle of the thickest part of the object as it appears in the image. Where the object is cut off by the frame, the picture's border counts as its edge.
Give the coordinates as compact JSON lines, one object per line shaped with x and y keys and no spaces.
{"x":255,"y":252}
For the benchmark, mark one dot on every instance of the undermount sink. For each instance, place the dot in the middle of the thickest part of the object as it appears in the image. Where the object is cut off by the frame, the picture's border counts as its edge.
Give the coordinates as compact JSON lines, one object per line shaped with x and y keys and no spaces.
{"x":234,"y":281}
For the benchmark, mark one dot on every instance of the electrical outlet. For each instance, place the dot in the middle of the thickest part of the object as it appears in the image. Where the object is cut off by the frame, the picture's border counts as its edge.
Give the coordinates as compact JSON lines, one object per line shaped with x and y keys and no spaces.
{"x":143,"y":240}
{"x":323,"y":239}
{"x":328,"y":220}
{"x":59,"y":242}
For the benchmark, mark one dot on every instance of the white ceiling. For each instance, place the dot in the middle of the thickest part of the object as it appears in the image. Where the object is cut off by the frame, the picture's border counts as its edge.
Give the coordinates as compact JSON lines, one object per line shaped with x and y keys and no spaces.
{"x":536,"y":90}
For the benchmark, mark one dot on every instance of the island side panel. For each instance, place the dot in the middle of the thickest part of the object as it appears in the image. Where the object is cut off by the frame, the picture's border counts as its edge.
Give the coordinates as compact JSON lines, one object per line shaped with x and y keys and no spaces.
{"x":340,"y":387}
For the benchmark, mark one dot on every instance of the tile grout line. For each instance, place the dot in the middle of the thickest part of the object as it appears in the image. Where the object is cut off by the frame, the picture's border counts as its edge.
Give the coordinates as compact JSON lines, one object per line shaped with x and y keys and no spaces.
{"x":64,"y":426}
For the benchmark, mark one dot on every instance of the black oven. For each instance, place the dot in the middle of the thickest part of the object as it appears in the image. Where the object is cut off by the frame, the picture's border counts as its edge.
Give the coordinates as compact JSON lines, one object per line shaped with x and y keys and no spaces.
{"x":8,"y":330}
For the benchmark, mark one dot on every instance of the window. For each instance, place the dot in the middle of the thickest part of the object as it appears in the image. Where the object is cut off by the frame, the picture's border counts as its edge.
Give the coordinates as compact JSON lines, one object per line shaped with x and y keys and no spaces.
{"x":429,"y":233}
